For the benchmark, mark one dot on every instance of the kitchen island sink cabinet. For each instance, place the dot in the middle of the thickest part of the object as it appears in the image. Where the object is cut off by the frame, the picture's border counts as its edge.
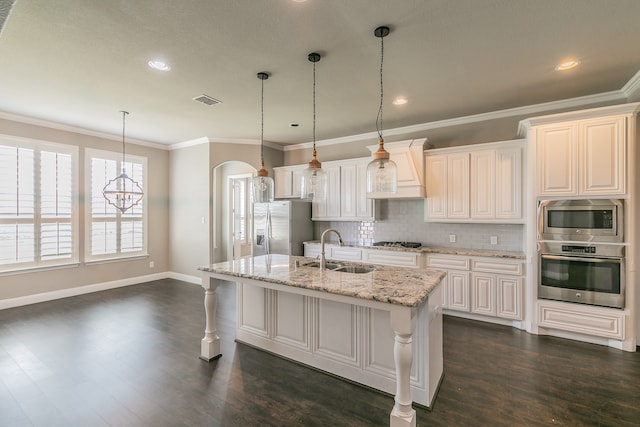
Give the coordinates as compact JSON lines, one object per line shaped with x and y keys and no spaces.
{"x":381,"y":328}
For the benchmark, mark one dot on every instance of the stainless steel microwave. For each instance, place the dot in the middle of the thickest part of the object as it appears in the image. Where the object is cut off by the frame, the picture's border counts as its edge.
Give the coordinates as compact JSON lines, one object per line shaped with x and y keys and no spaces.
{"x":584,"y":220}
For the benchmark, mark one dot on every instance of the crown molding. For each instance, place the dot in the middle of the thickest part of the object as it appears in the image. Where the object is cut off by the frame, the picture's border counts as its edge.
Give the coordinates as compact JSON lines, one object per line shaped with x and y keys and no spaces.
{"x":235,"y":141}
{"x":632,"y":88}
{"x":613,"y":96}
{"x":75,"y":129}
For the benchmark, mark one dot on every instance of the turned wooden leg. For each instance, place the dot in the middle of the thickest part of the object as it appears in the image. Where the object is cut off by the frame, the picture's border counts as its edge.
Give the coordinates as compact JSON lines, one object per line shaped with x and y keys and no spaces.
{"x":403,"y":414}
{"x":210,"y":344}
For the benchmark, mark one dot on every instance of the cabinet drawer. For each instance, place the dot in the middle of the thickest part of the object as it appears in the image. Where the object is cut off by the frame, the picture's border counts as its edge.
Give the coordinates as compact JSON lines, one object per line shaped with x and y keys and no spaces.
{"x":585,"y":320}
{"x":440,"y":261}
{"x":496,"y":266}
{"x":343,"y":253}
{"x":401,"y":259}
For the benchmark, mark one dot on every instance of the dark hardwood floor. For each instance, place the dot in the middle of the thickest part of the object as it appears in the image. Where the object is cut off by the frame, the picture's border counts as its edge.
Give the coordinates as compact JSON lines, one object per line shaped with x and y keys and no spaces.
{"x":129,"y":357}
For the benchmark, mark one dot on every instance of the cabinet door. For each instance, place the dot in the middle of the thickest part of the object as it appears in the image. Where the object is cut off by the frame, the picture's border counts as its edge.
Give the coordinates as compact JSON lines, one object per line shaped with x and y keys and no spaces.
{"x":436,"y":183}
{"x":557,"y":160}
{"x":364,"y":206}
{"x":333,"y":192}
{"x":282,"y":182}
{"x":602,"y":156}
{"x":458,"y":290}
{"x":482,"y":183}
{"x":348,"y":189}
{"x":296,"y":181}
{"x":483,"y":294}
{"x":458,"y":186}
{"x":508,"y":183}
{"x":509,"y":293}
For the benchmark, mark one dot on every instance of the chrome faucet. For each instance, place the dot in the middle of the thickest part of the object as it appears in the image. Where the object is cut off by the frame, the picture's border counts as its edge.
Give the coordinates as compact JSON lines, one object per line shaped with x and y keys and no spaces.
{"x":322,"y":258}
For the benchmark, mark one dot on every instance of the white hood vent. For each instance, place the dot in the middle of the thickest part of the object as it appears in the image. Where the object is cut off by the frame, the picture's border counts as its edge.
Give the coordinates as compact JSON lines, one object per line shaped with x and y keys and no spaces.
{"x":409,"y":157}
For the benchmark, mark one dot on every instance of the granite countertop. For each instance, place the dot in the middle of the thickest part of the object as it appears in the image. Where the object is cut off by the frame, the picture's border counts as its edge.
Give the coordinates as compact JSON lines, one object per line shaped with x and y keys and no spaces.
{"x":437,"y":250}
{"x":394,"y":285}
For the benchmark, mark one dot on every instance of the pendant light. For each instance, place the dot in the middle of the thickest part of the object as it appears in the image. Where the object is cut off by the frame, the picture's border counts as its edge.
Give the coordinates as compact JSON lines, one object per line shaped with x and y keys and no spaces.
{"x":122,"y":191}
{"x":314,"y":178}
{"x":262,"y":183}
{"x":382,"y":172}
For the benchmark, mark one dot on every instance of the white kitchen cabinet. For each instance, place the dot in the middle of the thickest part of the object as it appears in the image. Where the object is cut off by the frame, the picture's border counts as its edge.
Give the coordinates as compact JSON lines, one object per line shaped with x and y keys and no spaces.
{"x":601,"y":151}
{"x":394,"y":258}
{"x":436,"y":183}
{"x":510,"y":298}
{"x":485,"y":286}
{"x":481,"y":183}
{"x":287,"y":181}
{"x":483,"y":294}
{"x":582,"y":157}
{"x":312,"y":250}
{"x":458,"y":186}
{"x":344,"y":253}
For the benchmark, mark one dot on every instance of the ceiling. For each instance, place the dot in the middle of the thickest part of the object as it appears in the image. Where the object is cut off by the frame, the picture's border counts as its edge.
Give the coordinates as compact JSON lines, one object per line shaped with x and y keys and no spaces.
{"x":79,"y":62}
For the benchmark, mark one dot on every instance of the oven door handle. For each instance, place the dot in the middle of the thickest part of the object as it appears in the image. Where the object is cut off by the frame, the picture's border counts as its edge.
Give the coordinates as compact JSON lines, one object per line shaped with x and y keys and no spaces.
{"x":572,"y":258}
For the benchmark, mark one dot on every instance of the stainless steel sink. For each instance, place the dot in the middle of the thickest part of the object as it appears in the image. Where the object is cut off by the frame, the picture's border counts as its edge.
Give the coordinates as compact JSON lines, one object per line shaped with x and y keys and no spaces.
{"x":354,"y":269}
{"x":328,"y":265}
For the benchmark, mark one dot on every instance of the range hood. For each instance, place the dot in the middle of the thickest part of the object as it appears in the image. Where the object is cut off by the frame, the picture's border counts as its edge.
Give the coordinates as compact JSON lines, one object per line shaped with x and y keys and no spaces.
{"x":409,"y":157}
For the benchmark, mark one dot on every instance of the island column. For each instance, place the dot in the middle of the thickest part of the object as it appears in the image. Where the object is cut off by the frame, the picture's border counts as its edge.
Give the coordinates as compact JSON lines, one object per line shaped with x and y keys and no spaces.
{"x":403,"y":322}
{"x":210,"y":344}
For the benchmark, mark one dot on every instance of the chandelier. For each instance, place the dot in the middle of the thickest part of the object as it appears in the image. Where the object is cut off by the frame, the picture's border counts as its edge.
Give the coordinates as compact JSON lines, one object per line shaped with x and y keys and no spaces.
{"x":122,"y":191}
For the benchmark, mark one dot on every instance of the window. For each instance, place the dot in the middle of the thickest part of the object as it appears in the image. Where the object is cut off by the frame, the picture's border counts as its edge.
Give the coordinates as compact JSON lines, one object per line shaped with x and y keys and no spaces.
{"x":38,"y":204}
{"x":110,"y":233}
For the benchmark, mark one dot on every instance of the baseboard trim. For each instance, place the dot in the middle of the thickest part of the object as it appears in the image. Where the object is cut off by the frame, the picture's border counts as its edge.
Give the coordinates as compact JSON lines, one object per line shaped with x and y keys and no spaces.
{"x":80,"y":290}
{"x":185,"y":278}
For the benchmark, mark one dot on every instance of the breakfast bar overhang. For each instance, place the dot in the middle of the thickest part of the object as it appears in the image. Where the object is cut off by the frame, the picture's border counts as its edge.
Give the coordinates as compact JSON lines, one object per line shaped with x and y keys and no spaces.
{"x":381,"y":327}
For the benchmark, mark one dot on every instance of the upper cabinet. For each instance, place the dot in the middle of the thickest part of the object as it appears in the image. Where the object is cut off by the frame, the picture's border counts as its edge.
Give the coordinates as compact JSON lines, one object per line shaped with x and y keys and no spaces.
{"x":287,"y":181}
{"x":409,"y":158}
{"x":582,"y":153}
{"x":584,"y":157}
{"x":478,"y":183}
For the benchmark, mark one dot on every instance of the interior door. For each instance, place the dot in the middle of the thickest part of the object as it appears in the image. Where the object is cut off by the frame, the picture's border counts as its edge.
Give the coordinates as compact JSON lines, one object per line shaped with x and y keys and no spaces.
{"x":240,"y":215}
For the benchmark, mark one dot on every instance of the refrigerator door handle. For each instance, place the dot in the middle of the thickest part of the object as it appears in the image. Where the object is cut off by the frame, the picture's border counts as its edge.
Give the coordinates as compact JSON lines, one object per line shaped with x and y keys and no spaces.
{"x":267,"y":230}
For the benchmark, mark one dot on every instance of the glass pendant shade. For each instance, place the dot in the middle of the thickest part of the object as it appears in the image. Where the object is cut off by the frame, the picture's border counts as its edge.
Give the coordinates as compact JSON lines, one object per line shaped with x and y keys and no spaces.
{"x":262,"y":187}
{"x":382,"y":172}
{"x":314,"y":182}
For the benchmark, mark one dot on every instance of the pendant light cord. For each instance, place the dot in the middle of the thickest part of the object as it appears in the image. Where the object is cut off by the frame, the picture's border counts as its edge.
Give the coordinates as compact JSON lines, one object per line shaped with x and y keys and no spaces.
{"x":262,"y":121}
{"x":124,"y":115}
{"x":379,"y":117}
{"x":314,"y":107}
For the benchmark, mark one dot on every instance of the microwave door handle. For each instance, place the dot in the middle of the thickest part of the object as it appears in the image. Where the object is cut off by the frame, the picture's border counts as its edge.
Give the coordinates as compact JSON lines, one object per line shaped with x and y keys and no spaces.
{"x":573,"y":258}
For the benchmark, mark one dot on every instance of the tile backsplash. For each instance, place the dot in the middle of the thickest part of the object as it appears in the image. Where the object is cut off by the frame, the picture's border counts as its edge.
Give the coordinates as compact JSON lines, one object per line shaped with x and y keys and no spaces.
{"x":403,"y":220}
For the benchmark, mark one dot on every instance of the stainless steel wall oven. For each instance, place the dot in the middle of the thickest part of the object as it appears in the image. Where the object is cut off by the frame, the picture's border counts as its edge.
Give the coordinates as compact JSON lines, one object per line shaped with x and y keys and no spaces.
{"x":584,"y":273}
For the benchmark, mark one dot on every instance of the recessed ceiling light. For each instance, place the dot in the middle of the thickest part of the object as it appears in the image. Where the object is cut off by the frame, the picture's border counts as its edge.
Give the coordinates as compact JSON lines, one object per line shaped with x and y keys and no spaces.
{"x":567,"y":64}
{"x":294,"y":125}
{"x":299,"y":1}
{"x":401,"y":100}
{"x":159,"y":65}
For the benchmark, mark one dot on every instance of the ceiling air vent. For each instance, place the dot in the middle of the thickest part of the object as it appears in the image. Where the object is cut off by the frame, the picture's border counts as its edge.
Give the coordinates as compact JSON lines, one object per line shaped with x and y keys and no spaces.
{"x":206,"y":99}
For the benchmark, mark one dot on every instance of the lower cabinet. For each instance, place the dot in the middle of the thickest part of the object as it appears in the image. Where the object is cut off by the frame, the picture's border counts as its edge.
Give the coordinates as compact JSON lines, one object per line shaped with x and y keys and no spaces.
{"x":481,"y":285}
{"x":352,"y":341}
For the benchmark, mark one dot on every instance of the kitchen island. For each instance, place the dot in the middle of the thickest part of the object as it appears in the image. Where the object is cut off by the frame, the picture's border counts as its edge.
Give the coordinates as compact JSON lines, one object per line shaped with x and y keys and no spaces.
{"x":380,"y":327}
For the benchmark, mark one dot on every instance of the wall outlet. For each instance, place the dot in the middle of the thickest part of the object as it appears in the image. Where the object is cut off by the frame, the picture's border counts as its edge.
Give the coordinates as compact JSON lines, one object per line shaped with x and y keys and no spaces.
{"x":494,"y":240}
{"x":452,"y":238}
{"x":152,"y":264}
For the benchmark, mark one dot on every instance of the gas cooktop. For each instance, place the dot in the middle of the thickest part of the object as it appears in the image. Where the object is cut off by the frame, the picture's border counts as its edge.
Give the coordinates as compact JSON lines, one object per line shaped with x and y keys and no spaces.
{"x":412,"y":245}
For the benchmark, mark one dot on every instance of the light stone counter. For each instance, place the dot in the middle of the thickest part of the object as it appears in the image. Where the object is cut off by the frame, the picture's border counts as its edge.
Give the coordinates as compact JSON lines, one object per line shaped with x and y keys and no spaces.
{"x":438,"y":250}
{"x":394,"y":285}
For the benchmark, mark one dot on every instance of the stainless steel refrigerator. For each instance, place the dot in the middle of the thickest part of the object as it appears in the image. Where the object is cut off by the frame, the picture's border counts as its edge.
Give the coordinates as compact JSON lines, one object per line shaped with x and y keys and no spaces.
{"x":281,"y":227}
